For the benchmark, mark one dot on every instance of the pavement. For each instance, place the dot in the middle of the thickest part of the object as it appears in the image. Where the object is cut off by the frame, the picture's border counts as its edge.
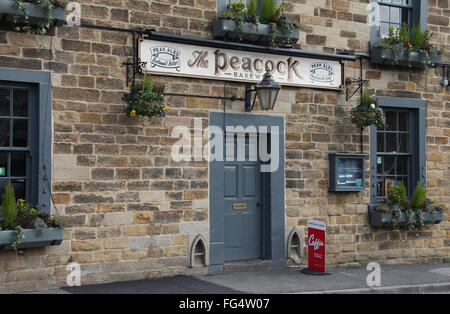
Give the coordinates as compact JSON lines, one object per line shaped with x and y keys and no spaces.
{"x":423,"y":278}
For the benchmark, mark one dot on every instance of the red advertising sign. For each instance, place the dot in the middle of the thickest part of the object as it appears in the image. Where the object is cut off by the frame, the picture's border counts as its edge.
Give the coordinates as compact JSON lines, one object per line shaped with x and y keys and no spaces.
{"x":316,"y":245}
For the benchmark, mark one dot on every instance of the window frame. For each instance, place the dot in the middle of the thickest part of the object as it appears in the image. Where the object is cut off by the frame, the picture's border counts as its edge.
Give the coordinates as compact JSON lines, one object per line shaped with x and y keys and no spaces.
{"x":418,"y":130}
{"x":419,"y":15}
{"x":41,"y":116}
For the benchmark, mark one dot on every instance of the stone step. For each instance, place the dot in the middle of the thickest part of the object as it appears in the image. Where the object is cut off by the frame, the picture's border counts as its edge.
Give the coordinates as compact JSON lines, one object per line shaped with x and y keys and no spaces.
{"x":247,"y":265}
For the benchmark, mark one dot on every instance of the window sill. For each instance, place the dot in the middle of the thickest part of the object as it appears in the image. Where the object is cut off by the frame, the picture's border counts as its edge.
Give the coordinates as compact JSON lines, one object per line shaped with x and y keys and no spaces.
{"x":50,"y":236}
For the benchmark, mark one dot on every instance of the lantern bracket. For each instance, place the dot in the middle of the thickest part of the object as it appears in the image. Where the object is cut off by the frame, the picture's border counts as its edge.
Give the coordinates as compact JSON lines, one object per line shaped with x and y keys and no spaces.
{"x":249,"y":104}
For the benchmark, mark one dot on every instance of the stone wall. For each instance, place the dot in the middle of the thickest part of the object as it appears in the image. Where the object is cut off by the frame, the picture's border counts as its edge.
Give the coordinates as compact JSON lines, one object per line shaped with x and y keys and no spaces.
{"x":132,"y":211}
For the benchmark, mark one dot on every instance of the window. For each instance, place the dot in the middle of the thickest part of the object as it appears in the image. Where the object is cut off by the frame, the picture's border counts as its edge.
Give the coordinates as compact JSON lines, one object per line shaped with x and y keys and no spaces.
{"x":25,"y":128}
{"x":397,"y":152}
{"x":394,"y":13}
{"x":15,"y":144}
{"x":394,"y":150}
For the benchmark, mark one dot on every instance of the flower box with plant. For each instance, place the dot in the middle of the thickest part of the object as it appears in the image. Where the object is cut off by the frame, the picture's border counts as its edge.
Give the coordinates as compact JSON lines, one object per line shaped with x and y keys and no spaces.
{"x":145,"y":99}
{"x":24,"y":226}
{"x":407,"y":49}
{"x":397,"y":211}
{"x":240,"y":22}
{"x":36,"y":16}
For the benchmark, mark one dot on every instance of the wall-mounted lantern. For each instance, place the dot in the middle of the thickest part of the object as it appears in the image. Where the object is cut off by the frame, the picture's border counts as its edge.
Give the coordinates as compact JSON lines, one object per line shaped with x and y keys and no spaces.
{"x":267,"y":91}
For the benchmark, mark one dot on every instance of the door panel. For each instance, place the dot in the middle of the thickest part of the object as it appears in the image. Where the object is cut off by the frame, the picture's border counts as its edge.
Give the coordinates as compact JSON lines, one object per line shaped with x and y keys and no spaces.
{"x":243,"y":221}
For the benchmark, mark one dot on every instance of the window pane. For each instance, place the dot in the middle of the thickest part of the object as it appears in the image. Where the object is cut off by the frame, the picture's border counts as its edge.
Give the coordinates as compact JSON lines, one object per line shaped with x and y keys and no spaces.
{"x":3,"y":165}
{"x":403,"y":145}
{"x":20,"y":133}
{"x":384,"y":13}
{"x":391,"y":142}
{"x":380,"y":186}
{"x":19,"y":188}
{"x":388,"y":181}
{"x":405,"y":16}
{"x":384,"y":29}
{"x":395,"y":15}
{"x":4,"y":131}
{"x":18,"y":164}
{"x":380,"y":142}
{"x":396,"y":1}
{"x":391,"y":120}
{"x":403,"y":121}
{"x":389,"y":165}
{"x":20,"y":102}
{"x":402,"y":165}
{"x":379,"y":164}
{"x":4,"y":102}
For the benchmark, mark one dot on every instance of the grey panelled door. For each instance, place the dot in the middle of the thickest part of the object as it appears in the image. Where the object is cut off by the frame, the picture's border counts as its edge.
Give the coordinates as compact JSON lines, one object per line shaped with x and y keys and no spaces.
{"x":243,"y":206}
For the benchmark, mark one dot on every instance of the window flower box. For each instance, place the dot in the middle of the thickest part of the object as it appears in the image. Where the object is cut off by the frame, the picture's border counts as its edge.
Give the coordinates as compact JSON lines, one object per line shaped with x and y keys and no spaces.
{"x":382,"y":219}
{"x":49,"y":236}
{"x":407,"y":47}
{"x":226,"y":29}
{"x":415,"y":59}
{"x":36,"y":13}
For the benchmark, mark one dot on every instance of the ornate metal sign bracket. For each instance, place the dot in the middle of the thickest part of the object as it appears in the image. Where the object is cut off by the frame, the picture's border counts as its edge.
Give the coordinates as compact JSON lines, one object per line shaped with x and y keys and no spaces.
{"x":134,"y":64}
{"x":350,"y":83}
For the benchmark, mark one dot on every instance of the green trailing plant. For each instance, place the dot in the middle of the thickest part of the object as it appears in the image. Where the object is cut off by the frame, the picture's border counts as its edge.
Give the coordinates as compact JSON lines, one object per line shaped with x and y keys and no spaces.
{"x":367,"y":112}
{"x":22,"y":23}
{"x":18,"y":239}
{"x":410,"y":221}
{"x":145,"y":99}
{"x":396,"y":215}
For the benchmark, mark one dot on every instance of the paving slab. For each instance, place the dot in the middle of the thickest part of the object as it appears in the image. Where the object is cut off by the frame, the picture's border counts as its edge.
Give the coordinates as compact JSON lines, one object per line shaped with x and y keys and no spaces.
{"x":291,"y":280}
{"x":167,"y":285}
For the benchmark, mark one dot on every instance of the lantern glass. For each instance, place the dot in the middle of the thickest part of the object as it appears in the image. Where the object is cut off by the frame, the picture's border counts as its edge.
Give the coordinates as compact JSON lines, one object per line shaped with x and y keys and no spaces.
{"x":267,"y":97}
{"x":267,"y":91}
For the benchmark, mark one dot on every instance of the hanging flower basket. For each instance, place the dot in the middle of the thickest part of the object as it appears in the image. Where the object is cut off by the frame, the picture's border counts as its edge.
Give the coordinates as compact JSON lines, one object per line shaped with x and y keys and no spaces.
{"x":367,"y":112}
{"x":36,"y":12}
{"x":145,"y":100}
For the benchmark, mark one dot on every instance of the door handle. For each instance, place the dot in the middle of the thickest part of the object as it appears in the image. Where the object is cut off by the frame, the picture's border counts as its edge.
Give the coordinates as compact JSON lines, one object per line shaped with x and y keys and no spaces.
{"x":259,"y":204}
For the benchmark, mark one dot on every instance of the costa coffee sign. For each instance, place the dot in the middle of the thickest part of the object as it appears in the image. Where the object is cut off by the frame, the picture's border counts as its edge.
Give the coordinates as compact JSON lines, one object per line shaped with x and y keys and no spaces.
{"x":166,"y":58}
{"x":316,"y":245}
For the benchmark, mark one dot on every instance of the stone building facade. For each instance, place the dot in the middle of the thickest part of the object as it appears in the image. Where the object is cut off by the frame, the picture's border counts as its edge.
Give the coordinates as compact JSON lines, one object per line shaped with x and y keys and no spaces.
{"x":132,"y":212}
